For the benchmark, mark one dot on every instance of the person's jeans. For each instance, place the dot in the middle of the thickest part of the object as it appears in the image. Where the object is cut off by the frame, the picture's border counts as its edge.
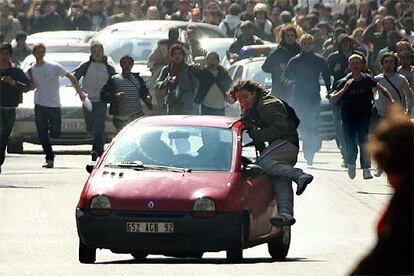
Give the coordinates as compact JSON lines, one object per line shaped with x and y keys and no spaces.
{"x":95,"y":123}
{"x":356,"y":128}
{"x":205,"y":110}
{"x":308,"y":129}
{"x":278,"y":165}
{"x":48,"y":122}
{"x":339,"y":130}
{"x":7,"y":118}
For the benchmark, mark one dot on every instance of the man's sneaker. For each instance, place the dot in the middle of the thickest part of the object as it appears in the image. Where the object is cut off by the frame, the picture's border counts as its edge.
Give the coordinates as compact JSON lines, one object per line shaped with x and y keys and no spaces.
{"x":366,"y":174}
{"x":379,"y":172}
{"x":303,"y":181}
{"x":282,"y":220}
{"x":351,"y":171}
{"x":48,"y":164}
{"x":94,"y":155}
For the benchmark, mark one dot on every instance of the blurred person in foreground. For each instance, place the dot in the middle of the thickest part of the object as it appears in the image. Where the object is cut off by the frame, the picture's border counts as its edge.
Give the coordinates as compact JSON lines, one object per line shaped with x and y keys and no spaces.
{"x":272,"y":124}
{"x":391,"y":146}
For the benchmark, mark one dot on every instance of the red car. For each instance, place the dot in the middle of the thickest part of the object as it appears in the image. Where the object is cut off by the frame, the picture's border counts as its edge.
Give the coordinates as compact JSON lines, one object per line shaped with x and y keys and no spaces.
{"x":178,"y":186}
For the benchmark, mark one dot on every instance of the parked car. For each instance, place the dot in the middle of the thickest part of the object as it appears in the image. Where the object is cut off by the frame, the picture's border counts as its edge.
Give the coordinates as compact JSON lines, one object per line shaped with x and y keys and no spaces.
{"x":251,"y":69}
{"x":178,"y":186}
{"x":59,"y":37}
{"x":73,"y":124}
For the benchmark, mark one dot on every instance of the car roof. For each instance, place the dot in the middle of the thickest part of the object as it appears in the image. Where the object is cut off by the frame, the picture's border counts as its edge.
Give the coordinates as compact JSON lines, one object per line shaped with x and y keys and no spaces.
{"x":153,"y":25}
{"x":189,"y":120}
{"x":246,"y":61}
{"x":61,"y":34}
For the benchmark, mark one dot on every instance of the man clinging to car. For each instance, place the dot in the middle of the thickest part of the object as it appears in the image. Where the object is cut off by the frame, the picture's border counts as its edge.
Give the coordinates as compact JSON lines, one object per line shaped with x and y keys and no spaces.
{"x":272,"y":125}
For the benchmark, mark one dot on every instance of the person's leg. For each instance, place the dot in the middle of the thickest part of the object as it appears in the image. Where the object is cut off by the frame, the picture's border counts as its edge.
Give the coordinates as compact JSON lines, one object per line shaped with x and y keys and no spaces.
{"x":118,"y":124}
{"x":98,"y":128}
{"x":282,"y":188}
{"x":339,"y":132}
{"x":363,"y":130}
{"x":42,"y":126}
{"x":7,"y":118}
{"x":350,"y":143}
{"x":314,"y":140}
{"x":88,"y":116}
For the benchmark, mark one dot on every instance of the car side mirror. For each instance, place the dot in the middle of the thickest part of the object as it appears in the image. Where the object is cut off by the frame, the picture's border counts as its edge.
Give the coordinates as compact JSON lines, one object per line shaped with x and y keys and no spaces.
{"x":90,"y":167}
{"x":252,"y":171}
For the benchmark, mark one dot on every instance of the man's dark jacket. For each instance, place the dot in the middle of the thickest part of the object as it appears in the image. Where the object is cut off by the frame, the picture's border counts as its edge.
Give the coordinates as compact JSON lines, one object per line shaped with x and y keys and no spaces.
{"x":241,"y":41}
{"x":272,"y":120}
{"x":276,"y":62}
{"x":11,"y":95}
{"x":206,"y":80}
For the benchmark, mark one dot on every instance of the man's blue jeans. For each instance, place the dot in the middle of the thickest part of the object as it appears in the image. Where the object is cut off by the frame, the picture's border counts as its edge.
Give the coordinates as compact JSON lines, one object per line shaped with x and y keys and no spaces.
{"x":95,"y":123}
{"x":278,"y":165}
{"x":48,"y":121}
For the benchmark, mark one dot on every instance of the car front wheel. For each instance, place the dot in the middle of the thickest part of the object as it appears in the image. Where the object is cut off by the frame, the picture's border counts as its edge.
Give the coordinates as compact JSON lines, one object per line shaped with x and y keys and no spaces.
{"x":14,"y":146}
{"x":87,"y":255}
{"x":235,"y":253}
{"x":279,"y":245}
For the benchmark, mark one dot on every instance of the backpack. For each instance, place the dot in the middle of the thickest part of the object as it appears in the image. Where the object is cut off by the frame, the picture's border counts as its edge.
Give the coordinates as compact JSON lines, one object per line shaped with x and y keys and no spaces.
{"x":291,"y":113}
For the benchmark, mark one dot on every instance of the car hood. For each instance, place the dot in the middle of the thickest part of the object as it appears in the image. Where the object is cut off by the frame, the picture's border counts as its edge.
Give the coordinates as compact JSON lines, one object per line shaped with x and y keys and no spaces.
{"x":140,"y":68}
{"x":68,"y":98}
{"x":170,"y":191}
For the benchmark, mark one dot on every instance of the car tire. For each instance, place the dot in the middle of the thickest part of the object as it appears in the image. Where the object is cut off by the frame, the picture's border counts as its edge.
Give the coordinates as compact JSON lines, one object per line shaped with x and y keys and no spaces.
{"x":235,"y":253}
{"x":139,"y":256}
{"x":87,"y":255}
{"x":278,"y":246}
{"x":15,"y":146}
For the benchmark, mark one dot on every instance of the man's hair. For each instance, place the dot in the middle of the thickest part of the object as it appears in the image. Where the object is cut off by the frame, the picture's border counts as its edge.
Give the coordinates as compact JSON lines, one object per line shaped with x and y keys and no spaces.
{"x":38,"y":45}
{"x":249,"y":86}
{"x":307,"y":37}
{"x":288,"y":28}
{"x":391,"y":143}
{"x":96,"y":44}
{"x":128,"y":57}
{"x":234,"y":9}
{"x":6,"y":46}
{"x":394,"y":57}
{"x":175,"y":47}
{"x":21,"y":35}
{"x":356,"y":56}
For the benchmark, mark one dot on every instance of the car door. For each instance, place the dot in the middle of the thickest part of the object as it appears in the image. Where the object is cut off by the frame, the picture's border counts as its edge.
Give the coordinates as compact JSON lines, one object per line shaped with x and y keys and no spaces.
{"x":261,"y":202}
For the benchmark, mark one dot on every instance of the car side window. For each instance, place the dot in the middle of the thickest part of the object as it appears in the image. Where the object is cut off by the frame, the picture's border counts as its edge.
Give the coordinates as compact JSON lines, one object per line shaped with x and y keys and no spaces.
{"x":248,"y":149}
{"x":231,"y":71}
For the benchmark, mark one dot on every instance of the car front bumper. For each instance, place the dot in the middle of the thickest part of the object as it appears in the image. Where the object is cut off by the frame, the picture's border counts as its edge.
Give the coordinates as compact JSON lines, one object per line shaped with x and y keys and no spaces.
{"x":190,"y":233}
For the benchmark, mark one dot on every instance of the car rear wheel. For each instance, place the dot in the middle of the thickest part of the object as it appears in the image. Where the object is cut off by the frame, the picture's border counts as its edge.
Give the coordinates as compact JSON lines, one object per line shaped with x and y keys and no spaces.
{"x":235,"y":253}
{"x":15,"y":146}
{"x":278,"y":246}
{"x":139,"y":256}
{"x":87,"y":255}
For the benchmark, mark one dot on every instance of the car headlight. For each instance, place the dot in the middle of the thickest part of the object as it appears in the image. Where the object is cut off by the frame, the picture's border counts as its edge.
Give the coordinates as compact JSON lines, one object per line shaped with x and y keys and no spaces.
{"x":204,"y":207}
{"x":100,"y":205}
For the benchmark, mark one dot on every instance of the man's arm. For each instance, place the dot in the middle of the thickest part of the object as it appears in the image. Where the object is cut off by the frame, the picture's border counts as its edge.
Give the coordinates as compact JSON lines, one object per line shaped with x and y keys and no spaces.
{"x":288,"y":75}
{"x":335,"y":96}
{"x":75,"y":84}
{"x":384,"y":92}
{"x":409,"y":94}
{"x":326,"y":74}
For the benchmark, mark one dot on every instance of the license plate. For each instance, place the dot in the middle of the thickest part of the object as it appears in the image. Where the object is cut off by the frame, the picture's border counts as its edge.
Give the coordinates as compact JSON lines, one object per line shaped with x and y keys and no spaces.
{"x":73,"y":124}
{"x":150,"y":227}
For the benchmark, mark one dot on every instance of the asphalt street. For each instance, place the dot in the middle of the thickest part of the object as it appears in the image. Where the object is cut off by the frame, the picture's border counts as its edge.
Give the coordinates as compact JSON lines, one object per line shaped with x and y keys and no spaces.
{"x":336,"y":220}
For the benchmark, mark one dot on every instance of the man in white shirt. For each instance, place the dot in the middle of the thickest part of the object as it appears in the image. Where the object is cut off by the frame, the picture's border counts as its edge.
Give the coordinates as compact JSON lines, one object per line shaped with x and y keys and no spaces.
{"x":395,"y":83}
{"x":44,"y":77}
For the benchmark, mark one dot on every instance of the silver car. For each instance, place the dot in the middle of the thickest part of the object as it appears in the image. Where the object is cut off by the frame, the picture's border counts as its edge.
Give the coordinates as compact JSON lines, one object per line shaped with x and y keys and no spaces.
{"x":73,"y":124}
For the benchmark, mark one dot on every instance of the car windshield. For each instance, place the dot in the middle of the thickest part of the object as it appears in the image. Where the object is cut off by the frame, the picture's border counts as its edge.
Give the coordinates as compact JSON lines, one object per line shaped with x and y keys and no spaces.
{"x":192,"y":147}
{"x":138,"y":48}
{"x":255,"y":72}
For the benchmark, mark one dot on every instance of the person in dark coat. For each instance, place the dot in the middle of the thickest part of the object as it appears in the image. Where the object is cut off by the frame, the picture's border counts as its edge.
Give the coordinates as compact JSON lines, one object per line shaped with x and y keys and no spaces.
{"x":13,"y":82}
{"x":391,"y":146}
{"x":214,"y":81}
{"x":302,"y":74}
{"x":50,"y":20}
{"x":276,"y":62}
{"x":271,"y":121}
{"x":77,"y":20}
{"x":247,"y":37}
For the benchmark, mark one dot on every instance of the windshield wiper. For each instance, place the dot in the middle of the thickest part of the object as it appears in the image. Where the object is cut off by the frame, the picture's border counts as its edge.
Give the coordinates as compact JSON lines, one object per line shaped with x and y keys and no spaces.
{"x":140,"y":165}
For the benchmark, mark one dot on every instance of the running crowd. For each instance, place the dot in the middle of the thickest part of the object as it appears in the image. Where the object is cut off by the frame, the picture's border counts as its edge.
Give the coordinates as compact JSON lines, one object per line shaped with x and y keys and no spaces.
{"x":362,"y":49}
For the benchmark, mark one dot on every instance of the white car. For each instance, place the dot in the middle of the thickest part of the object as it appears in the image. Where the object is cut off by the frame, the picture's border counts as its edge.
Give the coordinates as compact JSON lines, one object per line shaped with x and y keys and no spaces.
{"x":73,"y":123}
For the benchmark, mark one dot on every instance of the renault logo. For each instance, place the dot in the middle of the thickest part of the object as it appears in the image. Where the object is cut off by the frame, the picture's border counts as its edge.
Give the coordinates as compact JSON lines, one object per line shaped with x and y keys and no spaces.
{"x":151,"y":204}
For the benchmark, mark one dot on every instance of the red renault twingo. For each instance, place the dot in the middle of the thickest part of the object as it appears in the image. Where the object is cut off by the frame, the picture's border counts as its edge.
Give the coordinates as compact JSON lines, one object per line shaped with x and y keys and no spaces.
{"x":178,"y":186}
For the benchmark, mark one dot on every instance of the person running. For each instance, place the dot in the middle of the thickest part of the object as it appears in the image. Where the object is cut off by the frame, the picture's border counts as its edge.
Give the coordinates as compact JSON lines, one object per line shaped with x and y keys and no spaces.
{"x":270,"y":120}
{"x":95,"y":74}
{"x":13,"y":82}
{"x":44,"y":77}
{"x":355,"y":92}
